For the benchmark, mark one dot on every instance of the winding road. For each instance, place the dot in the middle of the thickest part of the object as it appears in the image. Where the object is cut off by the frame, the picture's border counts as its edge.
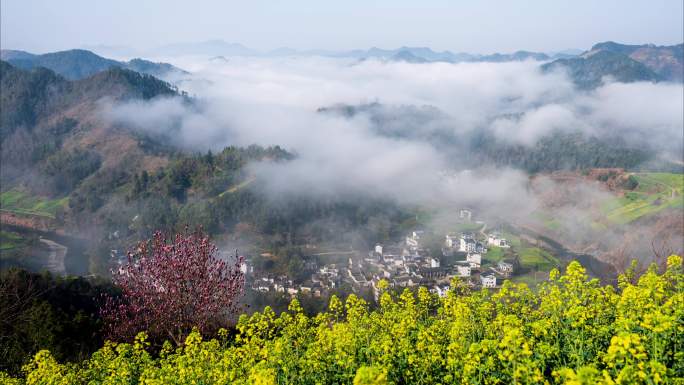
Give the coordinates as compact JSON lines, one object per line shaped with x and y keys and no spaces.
{"x":56,"y":255}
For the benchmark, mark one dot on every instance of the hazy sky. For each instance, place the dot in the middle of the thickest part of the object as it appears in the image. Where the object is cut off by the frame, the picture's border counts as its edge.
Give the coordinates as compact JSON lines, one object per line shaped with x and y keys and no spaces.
{"x":475,"y":26}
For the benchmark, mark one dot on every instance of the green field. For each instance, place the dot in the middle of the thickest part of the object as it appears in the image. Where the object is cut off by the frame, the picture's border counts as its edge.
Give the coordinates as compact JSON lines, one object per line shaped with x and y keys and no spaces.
{"x":532,"y":278}
{"x":494,"y":255}
{"x":19,"y":202}
{"x":13,"y":248}
{"x":535,"y":258}
{"x":11,"y":240}
{"x":655,"y":192}
{"x":531,"y":258}
{"x":513,"y":240}
{"x":548,"y":221}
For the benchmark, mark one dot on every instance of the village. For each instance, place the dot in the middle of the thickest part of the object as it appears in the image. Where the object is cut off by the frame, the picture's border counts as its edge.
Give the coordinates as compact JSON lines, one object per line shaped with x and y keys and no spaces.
{"x":406,"y":263}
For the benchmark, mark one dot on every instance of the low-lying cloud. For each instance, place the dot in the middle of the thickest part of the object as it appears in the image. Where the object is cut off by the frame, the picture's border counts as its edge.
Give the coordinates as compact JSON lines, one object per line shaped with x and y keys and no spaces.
{"x":275,"y":102}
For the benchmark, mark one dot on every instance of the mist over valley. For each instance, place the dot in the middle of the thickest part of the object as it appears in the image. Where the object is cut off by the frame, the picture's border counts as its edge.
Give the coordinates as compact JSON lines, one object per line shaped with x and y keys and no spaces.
{"x":193,"y":187}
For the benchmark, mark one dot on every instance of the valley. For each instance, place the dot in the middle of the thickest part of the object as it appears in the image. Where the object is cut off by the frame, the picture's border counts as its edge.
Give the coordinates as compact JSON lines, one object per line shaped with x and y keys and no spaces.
{"x":109,"y":183}
{"x":385,"y":193}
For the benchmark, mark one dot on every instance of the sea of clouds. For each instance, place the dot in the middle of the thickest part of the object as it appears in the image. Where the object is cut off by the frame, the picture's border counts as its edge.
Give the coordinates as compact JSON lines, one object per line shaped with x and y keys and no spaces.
{"x":275,"y":101}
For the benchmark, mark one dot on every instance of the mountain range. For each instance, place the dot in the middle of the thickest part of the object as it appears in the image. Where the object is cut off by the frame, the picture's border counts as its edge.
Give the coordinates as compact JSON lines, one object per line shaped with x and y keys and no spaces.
{"x":666,"y":61}
{"x":409,"y":54}
{"x":624,"y":63}
{"x":217,"y":48}
{"x":53,"y":127}
{"x":56,"y":142}
{"x":78,"y":64}
{"x":588,"y":69}
{"x":47,"y":98}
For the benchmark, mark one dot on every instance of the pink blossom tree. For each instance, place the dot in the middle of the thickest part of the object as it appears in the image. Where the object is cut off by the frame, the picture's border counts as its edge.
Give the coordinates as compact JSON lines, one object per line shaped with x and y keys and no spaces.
{"x":169,"y":286}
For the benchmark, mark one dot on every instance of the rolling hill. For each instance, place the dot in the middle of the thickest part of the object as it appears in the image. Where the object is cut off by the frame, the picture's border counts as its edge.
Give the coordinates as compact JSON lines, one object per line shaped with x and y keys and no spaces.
{"x":589,"y":70}
{"x":623,"y":63}
{"x":666,"y":61}
{"x":79,"y":64}
{"x":52,"y":126}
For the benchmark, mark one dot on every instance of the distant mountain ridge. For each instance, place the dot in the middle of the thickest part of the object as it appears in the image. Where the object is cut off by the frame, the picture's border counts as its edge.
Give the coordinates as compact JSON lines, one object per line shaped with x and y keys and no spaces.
{"x":210,"y":47}
{"x":216,"y":48}
{"x":624,"y":63}
{"x":588,"y":71}
{"x":666,"y":61}
{"x":427,"y":55}
{"x":79,"y":64}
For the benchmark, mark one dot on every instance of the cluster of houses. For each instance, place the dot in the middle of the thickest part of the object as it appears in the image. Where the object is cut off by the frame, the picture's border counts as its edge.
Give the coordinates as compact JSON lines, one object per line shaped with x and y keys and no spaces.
{"x":465,"y":243}
{"x":405,"y":264}
{"x":495,"y":239}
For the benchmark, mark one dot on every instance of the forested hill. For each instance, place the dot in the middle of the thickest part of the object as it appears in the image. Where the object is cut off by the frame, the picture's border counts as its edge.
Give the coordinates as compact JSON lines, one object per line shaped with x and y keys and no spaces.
{"x":54,"y":136}
{"x":666,"y":61}
{"x":589,"y":70}
{"x":79,"y":64}
{"x":31,"y":95}
{"x":47,"y":117}
{"x":553,"y":152}
{"x":623,"y":63}
{"x":115,"y":184}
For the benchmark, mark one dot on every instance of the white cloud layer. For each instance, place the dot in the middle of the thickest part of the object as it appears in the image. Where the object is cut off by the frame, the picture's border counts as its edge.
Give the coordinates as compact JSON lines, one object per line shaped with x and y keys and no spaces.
{"x":274,"y":101}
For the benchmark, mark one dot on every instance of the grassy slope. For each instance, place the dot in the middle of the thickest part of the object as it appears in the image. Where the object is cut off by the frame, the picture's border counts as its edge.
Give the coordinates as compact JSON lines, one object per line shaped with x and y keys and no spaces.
{"x":19,"y":202}
{"x":656,"y":192}
{"x":10,"y":240}
{"x":538,"y":259}
{"x":494,"y":255}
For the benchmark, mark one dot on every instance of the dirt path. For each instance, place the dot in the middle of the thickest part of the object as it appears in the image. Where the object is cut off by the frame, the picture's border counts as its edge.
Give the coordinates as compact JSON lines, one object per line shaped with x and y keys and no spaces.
{"x":56,"y":254}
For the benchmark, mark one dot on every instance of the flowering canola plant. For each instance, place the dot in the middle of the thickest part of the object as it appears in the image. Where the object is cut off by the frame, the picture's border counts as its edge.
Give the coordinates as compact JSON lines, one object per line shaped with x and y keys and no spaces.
{"x":570,"y":330}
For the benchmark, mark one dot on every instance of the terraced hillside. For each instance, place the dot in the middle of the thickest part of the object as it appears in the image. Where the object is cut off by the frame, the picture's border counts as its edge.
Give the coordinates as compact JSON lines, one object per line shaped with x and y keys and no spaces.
{"x":655,"y":192}
{"x":20,"y":202}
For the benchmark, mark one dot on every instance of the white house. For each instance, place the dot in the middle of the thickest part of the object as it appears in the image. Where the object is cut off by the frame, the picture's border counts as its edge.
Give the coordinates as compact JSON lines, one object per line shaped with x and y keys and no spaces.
{"x":474,"y":259}
{"x":413,"y":239}
{"x":440,"y":290}
{"x":305,"y":289}
{"x":391,"y":259}
{"x":329,"y":271}
{"x":434,"y":263}
{"x":463,"y":269}
{"x":450,"y":241}
{"x":495,"y":239}
{"x":466,"y":245}
{"x":378,"y":249}
{"x":488,"y":280}
{"x":246,"y":268}
{"x":465,"y":214}
{"x":505,"y":268}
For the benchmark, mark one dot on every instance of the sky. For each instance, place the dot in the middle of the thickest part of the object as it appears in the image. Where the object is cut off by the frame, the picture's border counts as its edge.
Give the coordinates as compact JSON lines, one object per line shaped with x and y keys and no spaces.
{"x":483,"y":26}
